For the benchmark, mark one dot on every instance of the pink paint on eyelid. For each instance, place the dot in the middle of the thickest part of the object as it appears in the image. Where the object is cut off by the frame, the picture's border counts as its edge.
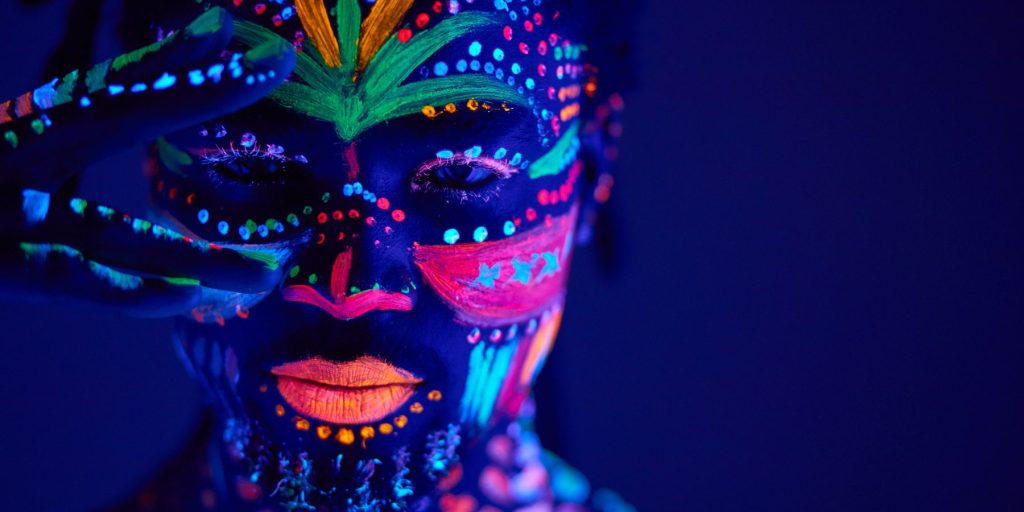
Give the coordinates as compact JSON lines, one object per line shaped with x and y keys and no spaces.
{"x":497,"y":283}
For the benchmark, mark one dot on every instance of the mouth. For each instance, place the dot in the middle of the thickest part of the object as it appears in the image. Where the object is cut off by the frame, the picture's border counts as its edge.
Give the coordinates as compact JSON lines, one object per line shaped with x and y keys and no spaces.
{"x":360,"y":391}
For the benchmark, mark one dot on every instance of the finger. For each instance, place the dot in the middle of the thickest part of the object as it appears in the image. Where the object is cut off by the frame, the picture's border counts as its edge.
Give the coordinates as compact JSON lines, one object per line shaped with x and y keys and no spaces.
{"x":114,"y":238}
{"x":59,"y":273}
{"x":49,"y":133}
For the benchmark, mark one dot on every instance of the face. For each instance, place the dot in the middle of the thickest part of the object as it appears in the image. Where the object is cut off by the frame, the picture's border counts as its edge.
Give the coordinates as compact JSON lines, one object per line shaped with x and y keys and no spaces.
{"x":422,"y":191}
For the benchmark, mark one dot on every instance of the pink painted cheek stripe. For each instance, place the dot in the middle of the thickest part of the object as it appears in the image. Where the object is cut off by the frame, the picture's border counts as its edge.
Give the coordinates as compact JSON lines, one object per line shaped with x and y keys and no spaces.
{"x":352,"y":306}
{"x":497,"y":283}
{"x":342,"y":306}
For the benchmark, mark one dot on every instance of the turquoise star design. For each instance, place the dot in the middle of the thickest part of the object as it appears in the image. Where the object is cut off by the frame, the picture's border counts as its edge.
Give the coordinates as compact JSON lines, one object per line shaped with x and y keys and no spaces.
{"x":523,"y":271}
{"x":550,"y":265}
{"x":488,"y":274}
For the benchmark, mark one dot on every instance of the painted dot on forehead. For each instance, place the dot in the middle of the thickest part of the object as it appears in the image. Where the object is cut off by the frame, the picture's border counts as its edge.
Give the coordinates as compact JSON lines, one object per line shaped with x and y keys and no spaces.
{"x":475,"y":48}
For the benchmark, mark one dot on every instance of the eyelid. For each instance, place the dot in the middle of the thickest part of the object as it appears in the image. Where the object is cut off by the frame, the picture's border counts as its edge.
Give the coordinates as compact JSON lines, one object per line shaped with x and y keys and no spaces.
{"x":231,"y":153}
{"x":501,"y":169}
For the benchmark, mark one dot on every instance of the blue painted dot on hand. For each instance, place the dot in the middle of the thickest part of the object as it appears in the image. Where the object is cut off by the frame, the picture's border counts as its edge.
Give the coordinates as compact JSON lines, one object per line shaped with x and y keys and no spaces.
{"x":510,"y":228}
{"x":85,"y":101}
{"x":222,"y":227}
{"x":166,"y":80}
{"x":195,"y":77}
{"x":480,"y":234}
{"x":475,"y":48}
{"x":441,"y":68}
{"x":451,"y":236}
{"x":115,"y":89}
{"x":203,"y":216}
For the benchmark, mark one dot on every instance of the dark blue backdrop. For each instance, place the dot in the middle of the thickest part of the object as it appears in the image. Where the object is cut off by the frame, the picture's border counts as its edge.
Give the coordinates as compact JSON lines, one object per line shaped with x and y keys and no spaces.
{"x":819,"y":305}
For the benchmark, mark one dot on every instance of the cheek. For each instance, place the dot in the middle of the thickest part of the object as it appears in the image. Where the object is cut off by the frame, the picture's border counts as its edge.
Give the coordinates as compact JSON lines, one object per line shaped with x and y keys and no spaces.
{"x":496,"y":283}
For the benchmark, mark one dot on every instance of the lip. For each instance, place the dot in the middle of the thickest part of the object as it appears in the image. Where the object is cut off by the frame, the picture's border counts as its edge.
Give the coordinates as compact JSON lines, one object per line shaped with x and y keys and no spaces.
{"x":359,"y":391}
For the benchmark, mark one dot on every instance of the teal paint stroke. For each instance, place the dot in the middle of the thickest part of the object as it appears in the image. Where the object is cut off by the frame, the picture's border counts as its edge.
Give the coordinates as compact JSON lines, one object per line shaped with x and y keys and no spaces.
{"x":488,"y":367}
{"x":561,"y":155}
{"x":116,"y":279}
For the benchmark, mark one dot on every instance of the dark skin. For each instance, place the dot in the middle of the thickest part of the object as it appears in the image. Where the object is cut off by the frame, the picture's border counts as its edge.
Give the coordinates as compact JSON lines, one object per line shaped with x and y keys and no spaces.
{"x":287,"y":200}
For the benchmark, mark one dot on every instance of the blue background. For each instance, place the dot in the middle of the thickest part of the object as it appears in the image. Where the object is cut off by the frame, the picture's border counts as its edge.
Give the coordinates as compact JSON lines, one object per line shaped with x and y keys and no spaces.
{"x":818,"y":304}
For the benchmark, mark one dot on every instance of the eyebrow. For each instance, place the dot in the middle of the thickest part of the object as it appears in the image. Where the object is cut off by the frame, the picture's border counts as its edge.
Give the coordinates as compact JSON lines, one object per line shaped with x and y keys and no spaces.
{"x":358,"y":86}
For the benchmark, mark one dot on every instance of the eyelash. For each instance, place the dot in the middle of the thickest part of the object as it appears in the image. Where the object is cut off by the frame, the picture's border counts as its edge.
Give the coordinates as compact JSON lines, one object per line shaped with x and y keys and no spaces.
{"x":220,"y":156}
{"x":422,"y":181}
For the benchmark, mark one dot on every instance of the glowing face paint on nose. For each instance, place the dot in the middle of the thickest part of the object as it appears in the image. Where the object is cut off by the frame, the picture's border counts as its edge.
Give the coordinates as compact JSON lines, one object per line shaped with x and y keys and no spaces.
{"x":341,"y":305}
{"x":500,"y":282}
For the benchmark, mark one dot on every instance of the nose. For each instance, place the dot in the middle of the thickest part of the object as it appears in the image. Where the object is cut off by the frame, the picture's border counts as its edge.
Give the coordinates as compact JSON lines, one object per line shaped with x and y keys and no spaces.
{"x":356,"y":262}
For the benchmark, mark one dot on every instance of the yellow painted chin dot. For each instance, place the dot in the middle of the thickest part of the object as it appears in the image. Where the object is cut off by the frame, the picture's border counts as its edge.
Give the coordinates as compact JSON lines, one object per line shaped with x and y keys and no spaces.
{"x":416,"y":407}
{"x":367,"y":432}
{"x":401,"y":421}
{"x":434,"y":395}
{"x":385,"y":428}
{"x":345,"y":436}
{"x":302,"y":424}
{"x":323,"y":431}
{"x":279,"y":410}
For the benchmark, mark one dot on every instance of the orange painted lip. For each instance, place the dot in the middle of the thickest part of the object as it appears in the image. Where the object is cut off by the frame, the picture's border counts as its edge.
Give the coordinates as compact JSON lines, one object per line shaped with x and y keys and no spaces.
{"x":360,"y":391}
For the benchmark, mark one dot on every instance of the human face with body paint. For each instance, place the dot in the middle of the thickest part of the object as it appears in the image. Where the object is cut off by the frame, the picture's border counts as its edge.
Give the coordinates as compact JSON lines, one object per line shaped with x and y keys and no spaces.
{"x":420,"y":180}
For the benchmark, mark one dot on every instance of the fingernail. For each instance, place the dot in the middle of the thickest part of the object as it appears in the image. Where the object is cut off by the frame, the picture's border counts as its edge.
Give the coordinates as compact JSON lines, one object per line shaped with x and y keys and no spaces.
{"x":182,"y":281}
{"x":269,"y":260}
{"x":267,"y":53}
{"x":209,"y":22}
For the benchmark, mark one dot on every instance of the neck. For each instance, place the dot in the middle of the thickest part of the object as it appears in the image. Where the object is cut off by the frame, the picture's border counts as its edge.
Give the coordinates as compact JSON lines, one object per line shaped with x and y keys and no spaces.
{"x":440,"y":473}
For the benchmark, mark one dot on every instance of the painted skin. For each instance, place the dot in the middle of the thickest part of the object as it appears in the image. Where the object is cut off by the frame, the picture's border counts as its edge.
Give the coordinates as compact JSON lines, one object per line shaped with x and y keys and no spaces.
{"x":429,"y":248}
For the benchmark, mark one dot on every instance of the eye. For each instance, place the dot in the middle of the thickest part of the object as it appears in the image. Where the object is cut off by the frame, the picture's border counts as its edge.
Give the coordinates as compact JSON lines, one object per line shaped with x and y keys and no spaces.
{"x":462,"y":177}
{"x":250,"y":167}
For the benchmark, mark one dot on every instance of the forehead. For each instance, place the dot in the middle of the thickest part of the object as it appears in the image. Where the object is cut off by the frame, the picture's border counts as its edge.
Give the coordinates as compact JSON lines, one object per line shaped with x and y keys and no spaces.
{"x":522,"y":53}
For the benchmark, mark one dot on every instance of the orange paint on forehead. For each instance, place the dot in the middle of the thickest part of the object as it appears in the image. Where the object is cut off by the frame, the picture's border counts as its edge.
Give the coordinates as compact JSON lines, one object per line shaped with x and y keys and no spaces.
{"x":317,"y":25}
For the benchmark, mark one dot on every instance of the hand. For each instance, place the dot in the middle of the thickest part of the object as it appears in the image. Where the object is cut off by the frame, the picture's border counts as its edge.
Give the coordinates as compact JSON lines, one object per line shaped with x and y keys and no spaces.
{"x":53,"y":246}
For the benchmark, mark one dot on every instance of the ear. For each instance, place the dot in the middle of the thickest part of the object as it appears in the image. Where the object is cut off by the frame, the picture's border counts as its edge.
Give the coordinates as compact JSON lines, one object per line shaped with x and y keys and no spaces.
{"x":599,"y":150}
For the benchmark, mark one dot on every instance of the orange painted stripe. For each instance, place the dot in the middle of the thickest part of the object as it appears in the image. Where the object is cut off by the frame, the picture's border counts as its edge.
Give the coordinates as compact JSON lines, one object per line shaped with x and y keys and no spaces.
{"x":317,"y":24}
{"x":378,"y":26}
